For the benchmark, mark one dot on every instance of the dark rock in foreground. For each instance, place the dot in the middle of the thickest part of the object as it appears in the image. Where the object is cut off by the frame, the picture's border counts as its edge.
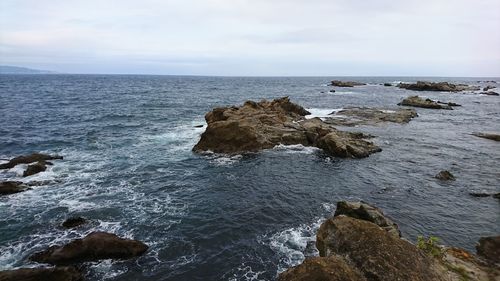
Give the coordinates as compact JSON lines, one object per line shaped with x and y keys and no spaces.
{"x":445,"y":176}
{"x":364,"y":211}
{"x":95,"y":246}
{"x":338,"y":83}
{"x":322,"y":269}
{"x":257,"y":126}
{"x":42,"y":274}
{"x":495,"y":137}
{"x":369,"y":116}
{"x":36,"y":168}
{"x":489,"y":248}
{"x":10,"y":187}
{"x":35,"y":157}
{"x":374,"y":252}
{"x":74,"y":222}
{"x":441,"y":87}
{"x":417,"y":101}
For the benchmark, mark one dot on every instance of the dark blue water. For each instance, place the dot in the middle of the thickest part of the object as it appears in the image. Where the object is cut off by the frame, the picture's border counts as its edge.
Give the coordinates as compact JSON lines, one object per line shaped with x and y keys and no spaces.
{"x":129,"y":168}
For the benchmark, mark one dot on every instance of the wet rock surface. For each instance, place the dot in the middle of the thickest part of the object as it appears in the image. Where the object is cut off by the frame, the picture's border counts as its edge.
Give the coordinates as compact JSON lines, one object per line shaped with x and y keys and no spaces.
{"x":445,"y":176}
{"x":417,"y":101}
{"x":331,"y":268}
{"x":95,"y":246}
{"x":42,"y":274}
{"x":74,"y":222}
{"x":490,"y":136}
{"x":437,"y":86}
{"x":257,"y":126}
{"x":35,"y":157}
{"x":338,"y":83}
{"x":11,"y":187}
{"x":489,"y":248}
{"x":370,"y":116}
{"x":36,"y":168}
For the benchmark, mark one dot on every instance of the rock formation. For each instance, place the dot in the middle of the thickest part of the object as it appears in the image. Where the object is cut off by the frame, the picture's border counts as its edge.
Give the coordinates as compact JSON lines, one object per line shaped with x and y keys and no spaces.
{"x":338,"y":83}
{"x":490,"y":93}
{"x":369,"y":116}
{"x":489,"y":248}
{"x":256,"y":126}
{"x":495,"y":137}
{"x":440,"y":86}
{"x":36,"y":168}
{"x":74,"y":222}
{"x":35,"y":157}
{"x":10,"y":187}
{"x":417,"y":101}
{"x":95,"y":246}
{"x":42,"y":274}
{"x":445,"y":176}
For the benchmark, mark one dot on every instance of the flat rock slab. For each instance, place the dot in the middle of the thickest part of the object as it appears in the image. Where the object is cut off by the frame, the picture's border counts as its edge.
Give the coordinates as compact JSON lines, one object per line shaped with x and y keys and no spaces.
{"x":266,"y":124}
{"x":42,"y":274}
{"x":331,"y":268}
{"x":439,"y":86}
{"x":490,"y":136}
{"x":27,"y":159}
{"x":95,"y":246}
{"x":338,"y":83}
{"x":489,"y":248}
{"x":417,"y":101}
{"x":369,"y":116}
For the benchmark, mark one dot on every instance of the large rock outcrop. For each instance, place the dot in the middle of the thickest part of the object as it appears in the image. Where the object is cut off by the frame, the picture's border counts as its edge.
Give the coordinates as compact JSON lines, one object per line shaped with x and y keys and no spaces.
{"x":369,"y":116}
{"x":27,"y":159}
{"x":256,"y":126}
{"x":95,"y":246}
{"x":322,"y":269}
{"x":338,"y":83}
{"x":417,"y":101}
{"x":42,"y":274}
{"x":439,"y":86}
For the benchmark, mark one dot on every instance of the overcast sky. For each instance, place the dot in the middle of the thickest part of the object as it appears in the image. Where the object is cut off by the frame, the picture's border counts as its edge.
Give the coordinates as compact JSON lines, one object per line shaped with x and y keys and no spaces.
{"x":254,"y":37}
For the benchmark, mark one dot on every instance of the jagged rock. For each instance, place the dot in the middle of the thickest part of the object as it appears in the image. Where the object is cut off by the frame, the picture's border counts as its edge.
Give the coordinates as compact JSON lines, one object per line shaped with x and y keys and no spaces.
{"x":449,"y":103}
{"x":489,"y":248}
{"x":10,"y":187}
{"x":364,"y":211}
{"x":322,"y":269}
{"x":387,"y":84}
{"x":95,"y":246}
{"x":445,"y":176}
{"x":74,"y":222}
{"x":36,"y":168}
{"x":35,"y":157}
{"x":441,"y":87}
{"x":377,"y":254}
{"x":369,"y":116}
{"x":42,"y":274}
{"x":489,"y":87}
{"x":490,"y":93}
{"x":256,"y":126}
{"x":460,"y":265}
{"x":338,"y":83}
{"x":495,"y":137}
{"x":424,"y":103}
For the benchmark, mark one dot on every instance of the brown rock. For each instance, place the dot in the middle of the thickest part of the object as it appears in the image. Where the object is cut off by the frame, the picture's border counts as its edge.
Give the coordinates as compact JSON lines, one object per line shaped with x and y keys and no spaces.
{"x":370,"y":116}
{"x":36,"y":168}
{"x":322,"y":269}
{"x":489,"y":248}
{"x":445,"y":176}
{"x":35,"y":157}
{"x":441,"y":87}
{"x":256,"y":126}
{"x":10,"y":187}
{"x":495,"y":137}
{"x":338,"y":83}
{"x":74,"y":222}
{"x":376,"y":253}
{"x":95,"y":246}
{"x":42,"y":274}
{"x":424,"y":103}
{"x":364,"y":211}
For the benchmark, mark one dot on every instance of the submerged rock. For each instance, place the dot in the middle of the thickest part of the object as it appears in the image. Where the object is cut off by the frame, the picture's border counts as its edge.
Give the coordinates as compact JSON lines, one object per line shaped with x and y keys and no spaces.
{"x":490,"y":93}
{"x":35,"y":157}
{"x":489,"y":87}
{"x":417,"y":101}
{"x":338,"y":83}
{"x":256,"y":126}
{"x":369,"y":116}
{"x":331,"y":268}
{"x":440,"y":86}
{"x":364,"y":211}
{"x":485,"y":194}
{"x":74,"y":222}
{"x":489,"y":248}
{"x":95,"y":246}
{"x":10,"y":187}
{"x":495,"y":137}
{"x":42,"y":274}
{"x":387,"y":84}
{"x":445,"y":176}
{"x":36,"y":168}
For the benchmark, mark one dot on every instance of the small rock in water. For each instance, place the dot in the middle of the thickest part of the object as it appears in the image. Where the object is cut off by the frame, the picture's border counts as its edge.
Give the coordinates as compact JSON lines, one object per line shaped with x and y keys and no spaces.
{"x":489,"y":87}
{"x":338,"y":83}
{"x":10,"y":187}
{"x":42,"y":274}
{"x":36,"y":168}
{"x":417,"y":101}
{"x":332,"y":91}
{"x":490,"y":93}
{"x":198,"y":126}
{"x":495,"y":137}
{"x":74,"y":222}
{"x":445,"y":176}
{"x":35,"y":157}
{"x":440,"y":87}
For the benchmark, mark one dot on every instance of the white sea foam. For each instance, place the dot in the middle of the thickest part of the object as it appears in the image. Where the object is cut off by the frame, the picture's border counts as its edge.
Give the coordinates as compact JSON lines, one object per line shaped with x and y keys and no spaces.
{"x":245,"y":272}
{"x":321,"y":112}
{"x":296,"y":149}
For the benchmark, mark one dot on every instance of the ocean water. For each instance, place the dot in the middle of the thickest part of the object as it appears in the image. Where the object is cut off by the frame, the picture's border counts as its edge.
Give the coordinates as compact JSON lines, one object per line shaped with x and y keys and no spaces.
{"x":128,"y":167}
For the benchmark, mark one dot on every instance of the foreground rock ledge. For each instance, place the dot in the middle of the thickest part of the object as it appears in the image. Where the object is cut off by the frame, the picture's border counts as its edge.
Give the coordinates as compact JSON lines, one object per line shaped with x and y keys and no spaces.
{"x":42,"y":274}
{"x":95,"y":246}
{"x":257,"y":126}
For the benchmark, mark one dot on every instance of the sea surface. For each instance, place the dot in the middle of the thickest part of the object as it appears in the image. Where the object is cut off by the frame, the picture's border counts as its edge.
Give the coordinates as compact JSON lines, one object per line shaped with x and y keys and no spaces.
{"x":129,"y":168}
